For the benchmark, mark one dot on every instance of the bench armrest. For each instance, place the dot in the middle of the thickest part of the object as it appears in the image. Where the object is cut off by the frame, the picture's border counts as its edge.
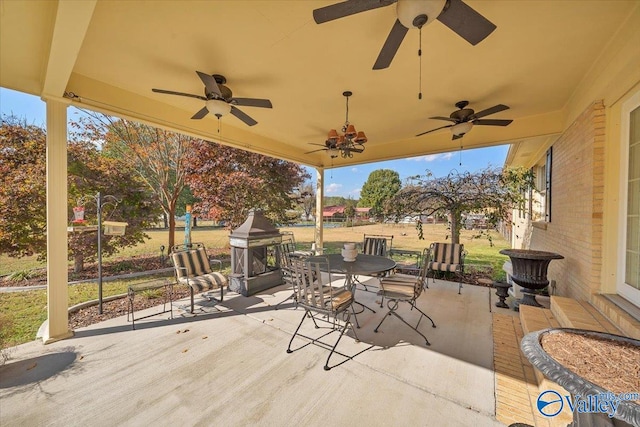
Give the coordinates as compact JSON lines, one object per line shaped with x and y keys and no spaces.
{"x":213,"y":261}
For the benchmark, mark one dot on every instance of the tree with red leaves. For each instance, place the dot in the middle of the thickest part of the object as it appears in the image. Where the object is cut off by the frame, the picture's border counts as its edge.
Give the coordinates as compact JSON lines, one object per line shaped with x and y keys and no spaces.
{"x":230,"y":182}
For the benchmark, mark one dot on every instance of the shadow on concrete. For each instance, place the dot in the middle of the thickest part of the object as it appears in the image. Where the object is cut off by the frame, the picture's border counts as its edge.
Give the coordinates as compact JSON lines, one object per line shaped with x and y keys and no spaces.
{"x":36,"y":369}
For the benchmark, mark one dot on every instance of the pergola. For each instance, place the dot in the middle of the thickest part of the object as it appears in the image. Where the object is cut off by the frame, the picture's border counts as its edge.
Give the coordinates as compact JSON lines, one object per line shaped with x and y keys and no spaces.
{"x":545,"y":61}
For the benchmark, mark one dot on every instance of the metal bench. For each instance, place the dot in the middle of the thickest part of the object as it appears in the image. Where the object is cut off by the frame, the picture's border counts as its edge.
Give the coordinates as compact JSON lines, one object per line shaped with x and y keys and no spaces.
{"x":148,"y":286}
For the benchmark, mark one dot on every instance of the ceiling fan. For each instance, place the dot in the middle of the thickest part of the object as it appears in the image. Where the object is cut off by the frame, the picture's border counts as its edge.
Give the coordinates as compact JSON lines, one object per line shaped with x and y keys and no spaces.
{"x":351,"y":141}
{"x":219,"y":99}
{"x":334,"y":148}
{"x":465,"y":118}
{"x":455,"y":14}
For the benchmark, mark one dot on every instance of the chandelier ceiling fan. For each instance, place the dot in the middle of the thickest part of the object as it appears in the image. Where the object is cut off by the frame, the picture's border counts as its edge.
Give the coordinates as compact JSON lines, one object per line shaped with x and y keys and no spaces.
{"x":351,"y":141}
{"x":219,"y":99}
{"x":455,"y":14}
{"x":464,"y":119}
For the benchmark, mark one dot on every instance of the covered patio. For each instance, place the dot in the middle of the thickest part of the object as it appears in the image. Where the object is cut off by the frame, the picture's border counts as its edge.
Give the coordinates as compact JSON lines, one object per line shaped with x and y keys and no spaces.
{"x":551,"y":62}
{"x":228,"y":366}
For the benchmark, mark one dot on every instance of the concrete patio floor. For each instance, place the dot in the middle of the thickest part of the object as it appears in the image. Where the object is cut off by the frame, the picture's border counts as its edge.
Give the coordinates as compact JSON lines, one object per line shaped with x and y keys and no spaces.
{"x":228,"y":365}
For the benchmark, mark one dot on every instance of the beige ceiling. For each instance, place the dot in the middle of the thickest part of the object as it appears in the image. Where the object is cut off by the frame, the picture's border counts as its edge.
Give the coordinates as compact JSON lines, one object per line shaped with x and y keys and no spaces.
{"x":111,"y":53}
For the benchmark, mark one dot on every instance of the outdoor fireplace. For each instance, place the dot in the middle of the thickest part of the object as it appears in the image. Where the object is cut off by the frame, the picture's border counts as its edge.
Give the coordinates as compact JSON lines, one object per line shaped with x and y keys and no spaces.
{"x":253,"y":264}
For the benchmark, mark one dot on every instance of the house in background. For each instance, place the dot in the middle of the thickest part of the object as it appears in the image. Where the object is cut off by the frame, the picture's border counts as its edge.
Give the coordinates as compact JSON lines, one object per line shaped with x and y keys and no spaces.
{"x":333,"y":213}
{"x":362,"y":214}
{"x":336,"y":214}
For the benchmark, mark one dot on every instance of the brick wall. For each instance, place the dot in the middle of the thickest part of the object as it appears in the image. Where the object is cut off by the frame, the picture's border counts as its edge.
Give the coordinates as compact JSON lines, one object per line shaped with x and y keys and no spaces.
{"x":575,"y":230}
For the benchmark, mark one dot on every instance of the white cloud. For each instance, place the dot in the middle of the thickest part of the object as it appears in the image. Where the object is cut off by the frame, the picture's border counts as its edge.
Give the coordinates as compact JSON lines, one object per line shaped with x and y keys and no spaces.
{"x":333,"y":188}
{"x":357,"y":191}
{"x":432,"y":157}
{"x":354,"y":169}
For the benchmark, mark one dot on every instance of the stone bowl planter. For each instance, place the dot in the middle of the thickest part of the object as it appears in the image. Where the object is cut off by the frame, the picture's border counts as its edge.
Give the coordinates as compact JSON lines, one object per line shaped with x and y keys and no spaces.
{"x":627,"y":411}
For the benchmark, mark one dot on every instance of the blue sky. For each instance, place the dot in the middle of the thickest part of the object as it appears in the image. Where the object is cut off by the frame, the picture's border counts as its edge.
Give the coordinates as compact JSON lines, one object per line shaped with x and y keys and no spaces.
{"x":345,"y":182}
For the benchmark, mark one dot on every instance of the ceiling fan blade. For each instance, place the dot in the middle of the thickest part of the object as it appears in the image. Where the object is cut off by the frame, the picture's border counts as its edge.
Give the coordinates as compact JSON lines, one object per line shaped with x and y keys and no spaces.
{"x":346,"y":8}
{"x":391,"y":46}
{"x":252,"y":102}
{"x":356,"y":150}
{"x":209,"y":83}
{"x":488,"y":111}
{"x":318,"y":145}
{"x":492,"y":122}
{"x":466,"y":22}
{"x":243,"y":116}
{"x":200,"y":114}
{"x":171,"y":92}
{"x":456,"y":137}
{"x":315,"y":151}
{"x":449,"y":119}
{"x":433,"y":130}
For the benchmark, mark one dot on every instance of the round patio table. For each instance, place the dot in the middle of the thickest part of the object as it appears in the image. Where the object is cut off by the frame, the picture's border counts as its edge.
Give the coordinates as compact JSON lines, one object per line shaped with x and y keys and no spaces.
{"x":365,"y":265}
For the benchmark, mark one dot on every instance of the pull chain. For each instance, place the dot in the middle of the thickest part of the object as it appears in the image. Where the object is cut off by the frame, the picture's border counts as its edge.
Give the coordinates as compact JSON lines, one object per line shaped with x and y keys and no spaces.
{"x":219,"y":127}
{"x":460,"y":153}
{"x":420,"y":64}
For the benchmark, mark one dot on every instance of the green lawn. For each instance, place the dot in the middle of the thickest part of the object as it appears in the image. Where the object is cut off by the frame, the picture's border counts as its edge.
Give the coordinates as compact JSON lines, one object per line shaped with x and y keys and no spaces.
{"x":25,"y":311}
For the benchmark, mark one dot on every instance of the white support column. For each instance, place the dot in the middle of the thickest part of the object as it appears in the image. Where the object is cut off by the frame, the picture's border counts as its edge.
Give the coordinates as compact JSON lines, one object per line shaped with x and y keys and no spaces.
{"x":57,"y":325}
{"x":319,"y":233}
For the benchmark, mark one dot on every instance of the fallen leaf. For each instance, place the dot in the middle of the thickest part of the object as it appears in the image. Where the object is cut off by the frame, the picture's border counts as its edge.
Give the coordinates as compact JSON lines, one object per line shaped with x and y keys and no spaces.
{"x":185,"y":350}
{"x":32,"y":366}
{"x":205,"y":337}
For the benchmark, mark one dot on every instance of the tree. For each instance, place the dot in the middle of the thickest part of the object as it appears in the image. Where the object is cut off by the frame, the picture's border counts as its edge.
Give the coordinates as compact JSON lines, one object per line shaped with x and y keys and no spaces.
{"x":156,"y":156}
{"x":23,"y":194}
{"x":350,"y":210}
{"x":307,"y":198}
{"x":334,"y":201}
{"x":230,"y":182}
{"x":381,"y":185}
{"x":90,"y":172}
{"x":491,"y":192}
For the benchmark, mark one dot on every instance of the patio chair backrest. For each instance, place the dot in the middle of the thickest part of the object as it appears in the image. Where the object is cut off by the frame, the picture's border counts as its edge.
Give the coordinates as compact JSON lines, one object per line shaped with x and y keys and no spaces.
{"x":191,"y":262}
{"x":312,"y":293}
{"x":377,"y":245}
{"x":447,"y":253}
{"x":421,"y":281}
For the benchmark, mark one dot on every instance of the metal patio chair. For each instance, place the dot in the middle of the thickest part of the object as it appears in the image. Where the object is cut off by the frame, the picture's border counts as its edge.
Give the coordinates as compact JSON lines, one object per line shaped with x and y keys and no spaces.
{"x":316,"y":295}
{"x":447,"y":257}
{"x":398,"y":288}
{"x":379,"y":245}
{"x":193,"y":268}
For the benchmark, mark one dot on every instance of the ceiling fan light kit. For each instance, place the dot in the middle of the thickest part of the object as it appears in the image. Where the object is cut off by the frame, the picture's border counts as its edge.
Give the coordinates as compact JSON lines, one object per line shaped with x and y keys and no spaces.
{"x":461,"y":128}
{"x":412,"y":13}
{"x":218,"y":107}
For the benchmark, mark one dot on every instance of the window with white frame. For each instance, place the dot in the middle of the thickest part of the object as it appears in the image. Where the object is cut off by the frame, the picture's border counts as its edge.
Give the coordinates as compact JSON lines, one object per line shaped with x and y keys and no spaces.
{"x":632,"y":253}
{"x":629,"y":236}
{"x":540,"y":199}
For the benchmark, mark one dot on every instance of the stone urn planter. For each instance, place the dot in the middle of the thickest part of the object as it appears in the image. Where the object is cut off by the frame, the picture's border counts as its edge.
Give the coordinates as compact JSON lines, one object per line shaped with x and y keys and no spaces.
{"x":530,"y":271}
{"x":594,"y":377}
